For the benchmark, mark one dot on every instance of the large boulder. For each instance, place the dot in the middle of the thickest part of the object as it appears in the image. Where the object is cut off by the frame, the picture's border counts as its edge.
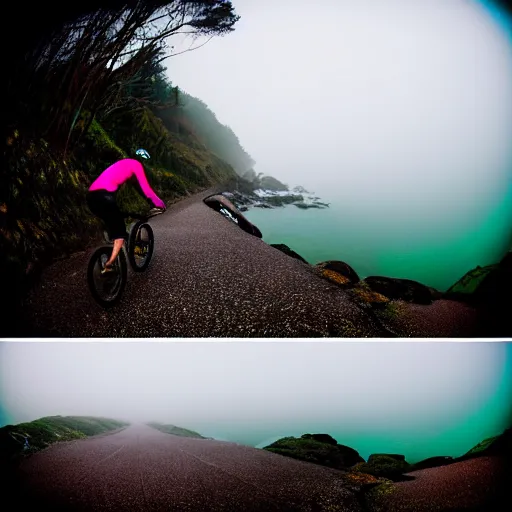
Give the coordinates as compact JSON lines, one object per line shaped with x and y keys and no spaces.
{"x":322,"y":438}
{"x":435,"y":294}
{"x":489,"y":290}
{"x":338,"y":272}
{"x":403,"y":289}
{"x":464,"y":289}
{"x":375,"y":457}
{"x":384,"y":465}
{"x":366,"y":297}
{"x":340,"y":267}
{"x":221,"y":204}
{"x":317,"y":448}
{"x":284,"y":248}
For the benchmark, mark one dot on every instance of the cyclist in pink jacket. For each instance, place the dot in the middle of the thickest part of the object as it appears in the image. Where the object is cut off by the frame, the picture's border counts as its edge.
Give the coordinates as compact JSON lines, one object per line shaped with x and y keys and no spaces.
{"x":101,"y":198}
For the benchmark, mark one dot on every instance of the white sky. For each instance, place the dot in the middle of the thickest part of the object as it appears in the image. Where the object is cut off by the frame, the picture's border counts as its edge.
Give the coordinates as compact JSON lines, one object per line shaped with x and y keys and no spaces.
{"x":358,"y":93}
{"x":242,"y":383}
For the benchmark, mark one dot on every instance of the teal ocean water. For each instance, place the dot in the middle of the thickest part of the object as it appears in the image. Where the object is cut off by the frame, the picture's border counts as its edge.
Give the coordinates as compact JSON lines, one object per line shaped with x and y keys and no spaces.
{"x":435,"y":246}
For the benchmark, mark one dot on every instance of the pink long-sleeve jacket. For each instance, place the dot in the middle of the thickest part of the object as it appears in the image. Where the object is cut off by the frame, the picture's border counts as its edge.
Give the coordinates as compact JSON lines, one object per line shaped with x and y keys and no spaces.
{"x":115,"y":175}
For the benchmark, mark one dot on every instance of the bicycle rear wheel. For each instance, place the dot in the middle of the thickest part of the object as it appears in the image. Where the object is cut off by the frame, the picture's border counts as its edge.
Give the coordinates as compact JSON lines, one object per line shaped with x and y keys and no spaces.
{"x":106,"y":289}
{"x":140,"y":246}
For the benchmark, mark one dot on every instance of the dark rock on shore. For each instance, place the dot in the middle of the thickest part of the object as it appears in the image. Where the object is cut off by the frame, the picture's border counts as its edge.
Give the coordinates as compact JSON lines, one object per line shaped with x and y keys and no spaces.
{"x":341,"y":268}
{"x":388,"y":483}
{"x":221,"y":204}
{"x":366,"y":297}
{"x":281,"y":200}
{"x":317,"y":448}
{"x":435,"y":294}
{"x":272,"y":199}
{"x":403,"y":289}
{"x":305,"y":206}
{"x":389,"y":466}
{"x":321,"y":438}
{"x":284,"y":248}
{"x":488,"y":289}
{"x":493,"y":446}
{"x":495,"y":298}
{"x":375,"y":457}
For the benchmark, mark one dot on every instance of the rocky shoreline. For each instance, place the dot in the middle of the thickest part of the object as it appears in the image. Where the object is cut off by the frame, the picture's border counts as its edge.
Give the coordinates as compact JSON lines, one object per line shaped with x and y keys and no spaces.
{"x":479,"y":300}
{"x":388,"y":482}
{"x":263,"y":198}
{"x":324,"y":450}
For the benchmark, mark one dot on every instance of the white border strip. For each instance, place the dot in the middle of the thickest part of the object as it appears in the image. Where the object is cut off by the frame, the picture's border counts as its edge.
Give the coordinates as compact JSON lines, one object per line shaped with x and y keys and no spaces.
{"x":260,"y":340}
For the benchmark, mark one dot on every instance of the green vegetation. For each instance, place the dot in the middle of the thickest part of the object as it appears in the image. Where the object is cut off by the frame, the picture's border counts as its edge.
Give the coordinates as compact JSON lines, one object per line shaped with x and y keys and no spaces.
{"x":176,"y":431}
{"x":39,"y":434}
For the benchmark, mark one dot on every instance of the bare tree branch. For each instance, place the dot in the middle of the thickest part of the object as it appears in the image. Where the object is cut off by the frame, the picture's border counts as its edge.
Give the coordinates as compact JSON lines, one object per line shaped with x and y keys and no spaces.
{"x":187,"y":50}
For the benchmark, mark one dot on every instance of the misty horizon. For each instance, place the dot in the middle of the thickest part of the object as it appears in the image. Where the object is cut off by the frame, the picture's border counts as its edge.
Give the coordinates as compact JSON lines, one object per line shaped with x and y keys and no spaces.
{"x":409,"y":80}
{"x":397,"y":113}
{"x":421,"y":397}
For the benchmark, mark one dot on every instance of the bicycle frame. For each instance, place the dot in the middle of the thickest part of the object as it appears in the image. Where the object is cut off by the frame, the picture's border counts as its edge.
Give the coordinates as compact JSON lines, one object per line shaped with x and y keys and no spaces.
{"x":140,"y":219}
{"x":125,"y":257}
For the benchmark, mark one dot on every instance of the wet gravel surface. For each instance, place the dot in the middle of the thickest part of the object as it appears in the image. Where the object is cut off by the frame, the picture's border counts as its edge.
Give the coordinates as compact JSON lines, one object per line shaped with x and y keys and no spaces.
{"x":209,"y":278}
{"x":443,"y":319}
{"x":143,"y":469}
{"x":475,"y":484}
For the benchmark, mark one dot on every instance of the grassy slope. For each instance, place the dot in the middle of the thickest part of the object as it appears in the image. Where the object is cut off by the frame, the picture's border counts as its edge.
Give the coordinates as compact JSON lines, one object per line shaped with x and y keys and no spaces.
{"x":177,"y":431}
{"x":43,"y":432}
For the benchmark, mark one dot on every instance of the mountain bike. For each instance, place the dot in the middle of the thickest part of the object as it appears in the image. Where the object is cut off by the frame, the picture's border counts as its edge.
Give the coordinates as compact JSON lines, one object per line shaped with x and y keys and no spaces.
{"x":107,"y":288}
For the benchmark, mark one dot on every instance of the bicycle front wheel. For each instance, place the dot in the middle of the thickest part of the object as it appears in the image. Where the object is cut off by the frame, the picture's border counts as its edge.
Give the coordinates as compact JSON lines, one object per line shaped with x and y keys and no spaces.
{"x":140,"y":246}
{"x":107,"y":288}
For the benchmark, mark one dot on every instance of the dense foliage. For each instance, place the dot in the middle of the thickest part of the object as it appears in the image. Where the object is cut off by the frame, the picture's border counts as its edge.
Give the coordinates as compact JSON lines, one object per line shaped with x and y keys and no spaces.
{"x":84,"y":89}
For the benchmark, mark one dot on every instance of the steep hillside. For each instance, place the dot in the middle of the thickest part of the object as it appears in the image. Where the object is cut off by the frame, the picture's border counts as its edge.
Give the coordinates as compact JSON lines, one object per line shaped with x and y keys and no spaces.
{"x":79,"y":97}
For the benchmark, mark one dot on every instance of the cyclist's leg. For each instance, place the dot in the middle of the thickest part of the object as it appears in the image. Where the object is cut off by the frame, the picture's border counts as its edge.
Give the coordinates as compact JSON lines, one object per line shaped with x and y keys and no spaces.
{"x":118,"y":245}
{"x":116,"y":228}
{"x":104,"y":206}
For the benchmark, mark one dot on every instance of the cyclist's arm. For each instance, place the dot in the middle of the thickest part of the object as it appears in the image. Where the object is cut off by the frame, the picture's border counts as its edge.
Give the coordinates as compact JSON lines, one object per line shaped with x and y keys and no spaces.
{"x":144,"y":185}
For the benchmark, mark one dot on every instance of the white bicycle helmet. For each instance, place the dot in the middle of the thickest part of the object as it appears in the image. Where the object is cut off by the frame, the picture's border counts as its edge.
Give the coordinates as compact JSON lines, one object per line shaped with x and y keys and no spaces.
{"x":142,"y":153}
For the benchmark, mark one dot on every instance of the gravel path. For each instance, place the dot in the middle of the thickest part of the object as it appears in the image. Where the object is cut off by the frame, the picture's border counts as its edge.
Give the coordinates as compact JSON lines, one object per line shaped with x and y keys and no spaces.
{"x":209,"y":278}
{"x":470,"y":485}
{"x":143,"y":469}
{"x":443,"y":319}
